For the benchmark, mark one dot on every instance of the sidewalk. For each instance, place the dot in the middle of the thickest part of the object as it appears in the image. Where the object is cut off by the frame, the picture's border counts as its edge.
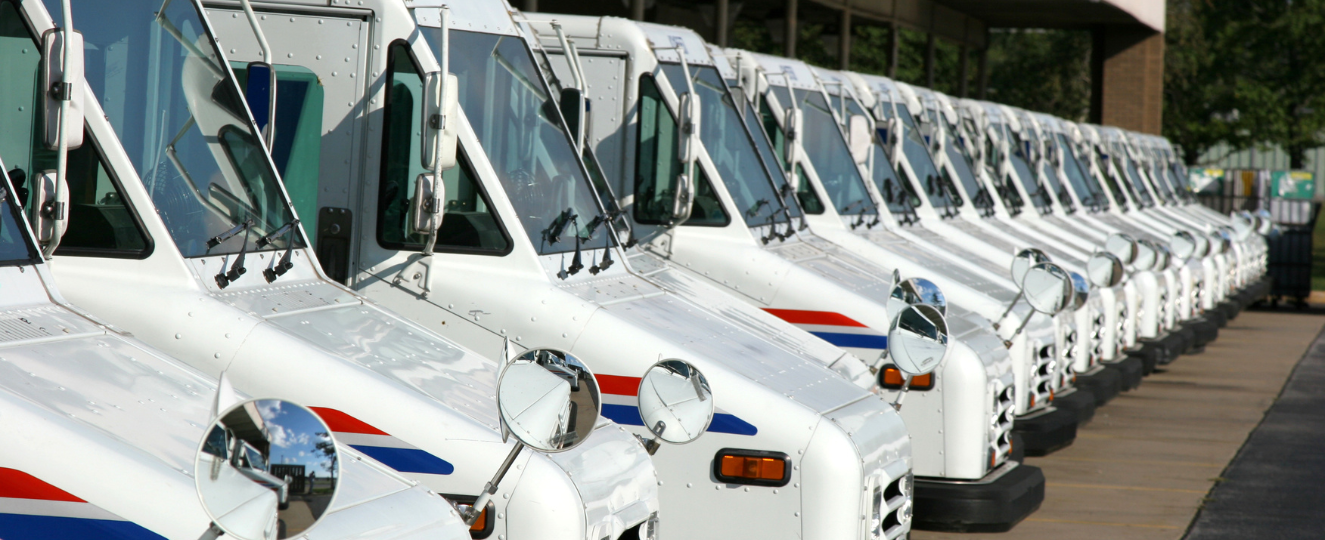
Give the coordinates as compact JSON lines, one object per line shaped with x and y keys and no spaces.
{"x":1146,"y":463}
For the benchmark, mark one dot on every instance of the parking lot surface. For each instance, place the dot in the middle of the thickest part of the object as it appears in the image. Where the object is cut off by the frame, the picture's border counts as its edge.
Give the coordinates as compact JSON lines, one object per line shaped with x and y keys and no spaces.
{"x":1145,"y":465}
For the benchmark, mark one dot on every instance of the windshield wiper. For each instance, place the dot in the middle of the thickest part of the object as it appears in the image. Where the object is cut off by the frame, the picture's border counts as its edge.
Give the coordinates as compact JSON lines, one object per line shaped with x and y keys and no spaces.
{"x":223,"y":237}
{"x":552,"y":234}
{"x":285,"y":264}
{"x":599,"y":220}
{"x":224,"y":278}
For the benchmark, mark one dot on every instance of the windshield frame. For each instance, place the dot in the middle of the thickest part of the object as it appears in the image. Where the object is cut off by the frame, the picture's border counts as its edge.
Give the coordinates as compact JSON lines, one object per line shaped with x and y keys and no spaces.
{"x":279,"y":200}
{"x":583,"y":181}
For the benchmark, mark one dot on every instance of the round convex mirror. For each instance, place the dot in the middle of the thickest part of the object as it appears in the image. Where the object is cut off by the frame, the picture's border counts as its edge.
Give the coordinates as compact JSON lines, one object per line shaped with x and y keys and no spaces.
{"x":675,"y":401}
{"x":1202,"y":245}
{"x":1183,"y":245}
{"x":921,"y":291}
{"x":1242,"y":227}
{"x":1080,"y":290}
{"x":1162,"y":255}
{"x":1046,"y":288}
{"x":1023,"y":262}
{"x":267,"y":469}
{"x":1145,"y":256}
{"x":1121,"y":246}
{"x":1264,"y":222}
{"x":918,"y":340}
{"x":1104,"y":269}
{"x":548,"y":400}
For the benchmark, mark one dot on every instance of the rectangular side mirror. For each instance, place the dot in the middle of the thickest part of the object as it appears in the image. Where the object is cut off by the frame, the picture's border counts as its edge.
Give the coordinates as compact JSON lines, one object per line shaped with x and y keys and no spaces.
{"x":49,"y":214}
{"x":575,"y":109}
{"x":859,"y":134}
{"x":792,"y":125}
{"x":258,"y":92}
{"x":440,"y":121}
{"x":53,"y":74}
{"x":426,"y":208}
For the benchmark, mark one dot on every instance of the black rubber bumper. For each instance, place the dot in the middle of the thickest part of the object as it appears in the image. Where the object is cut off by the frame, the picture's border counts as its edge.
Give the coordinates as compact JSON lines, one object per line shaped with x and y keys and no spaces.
{"x":1230,"y":307}
{"x":1205,"y":330}
{"x":1130,"y":371}
{"x":1046,"y":432}
{"x":1079,"y":401}
{"x":1150,"y":352}
{"x":1104,"y":384}
{"x":996,"y":506}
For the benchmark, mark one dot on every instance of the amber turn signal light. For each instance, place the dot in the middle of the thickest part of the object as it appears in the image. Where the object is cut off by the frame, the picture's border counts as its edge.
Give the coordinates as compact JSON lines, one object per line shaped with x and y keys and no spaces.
{"x":752,"y":467}
{"x":892,"y":379}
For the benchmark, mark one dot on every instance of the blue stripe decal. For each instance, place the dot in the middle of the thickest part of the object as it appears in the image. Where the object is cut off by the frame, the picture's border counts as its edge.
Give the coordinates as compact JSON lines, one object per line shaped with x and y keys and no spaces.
{"x":25,"y":527}
{"x":859,"y":341}
{"x":627,"y":415}
{"x":406,"y":460}
{"x":623,"y":414}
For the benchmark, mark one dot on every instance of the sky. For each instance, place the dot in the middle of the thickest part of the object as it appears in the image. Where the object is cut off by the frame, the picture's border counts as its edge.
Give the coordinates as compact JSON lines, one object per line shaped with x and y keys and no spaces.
{"x":294,"y":432}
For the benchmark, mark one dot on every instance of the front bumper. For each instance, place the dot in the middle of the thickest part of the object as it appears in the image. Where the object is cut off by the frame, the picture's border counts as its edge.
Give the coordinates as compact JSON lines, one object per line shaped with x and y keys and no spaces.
{"x":1046,"y":430}
{"x":1105,"y":384}
{"x":1131,"y":370}
{"x":1081,"y":402}
{"x":1204,"y":331}
{"x":995,"y":503}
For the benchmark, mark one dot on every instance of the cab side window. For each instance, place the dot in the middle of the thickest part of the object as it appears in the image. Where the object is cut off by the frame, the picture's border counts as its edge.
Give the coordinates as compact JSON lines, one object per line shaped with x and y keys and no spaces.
{"x":469,"y":225}
{"x":101,"y":222}
{"x":658,"y":164}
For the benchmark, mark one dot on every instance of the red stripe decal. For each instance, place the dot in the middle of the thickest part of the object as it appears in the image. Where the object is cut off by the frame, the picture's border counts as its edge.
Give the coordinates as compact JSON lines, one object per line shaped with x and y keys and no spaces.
{"x":618,"y":385}
{"x":826,"y":318}
{"x":20,"y":485}
{"x":340,"y":422}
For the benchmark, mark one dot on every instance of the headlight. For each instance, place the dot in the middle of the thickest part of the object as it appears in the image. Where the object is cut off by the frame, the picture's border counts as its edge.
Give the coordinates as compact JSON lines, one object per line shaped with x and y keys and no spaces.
{"x":649,"y":529}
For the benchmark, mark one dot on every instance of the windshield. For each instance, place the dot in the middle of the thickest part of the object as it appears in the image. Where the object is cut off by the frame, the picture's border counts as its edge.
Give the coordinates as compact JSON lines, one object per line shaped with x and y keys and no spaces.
{"x":917,"y":154}
{"x":828,"y":153}
{"x":1135,"y":185}
{"x":1056,"y":186}
{"x":1029,"y":180}
{"x":519,"y":125}
{"x":14,"y":245}
{"x":724,"y":135}
{"x":172,"y":100}
{"x":1077,"y":175}
{"x":959,"y":156}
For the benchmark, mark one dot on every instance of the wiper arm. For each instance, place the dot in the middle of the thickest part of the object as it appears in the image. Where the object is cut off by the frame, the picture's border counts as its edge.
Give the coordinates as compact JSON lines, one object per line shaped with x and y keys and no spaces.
{"x":223,"y":237}
{"x":237,"y":270}
{"x":552,"y":234}
{"x":267,"y":240}
{"x":285,"y":264}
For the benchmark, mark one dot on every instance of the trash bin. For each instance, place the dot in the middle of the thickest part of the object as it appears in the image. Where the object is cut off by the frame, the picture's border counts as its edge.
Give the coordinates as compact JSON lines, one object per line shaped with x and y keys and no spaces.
{"x":1290,"y":250}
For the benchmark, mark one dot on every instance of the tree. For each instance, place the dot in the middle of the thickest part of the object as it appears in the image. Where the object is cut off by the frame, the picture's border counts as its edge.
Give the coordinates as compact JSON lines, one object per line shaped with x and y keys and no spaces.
{"x":1274,"y":50}
{"x":1201,"y":109}
{"x":1041,"y":70}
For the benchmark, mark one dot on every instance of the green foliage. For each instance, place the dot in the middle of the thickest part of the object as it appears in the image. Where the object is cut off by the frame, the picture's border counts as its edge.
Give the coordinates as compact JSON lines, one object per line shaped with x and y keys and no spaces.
{"x":1041,"y":70}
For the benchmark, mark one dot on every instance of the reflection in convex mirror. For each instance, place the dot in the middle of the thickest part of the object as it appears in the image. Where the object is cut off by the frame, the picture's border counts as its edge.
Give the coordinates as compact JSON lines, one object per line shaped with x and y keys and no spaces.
{"x":1162,"y":254}
{"x":1183,"y":245}
{"x":1121,"y":246}
{"x":915,"y":291}
{"x":1220,"y":240}
{"x":1047,"y":286}
{"x":1202,"y":245}
{"x":1242,"y":226}
{"x":267,"y":469}
{"x":675,"y":403}
{"x":1146,"y":256}
{"x":1104,"y":270}
{"x":549,"y":401}
{"x":1021,"y":264}
{"x":1080,"y":290}
{"x":917,"y":343}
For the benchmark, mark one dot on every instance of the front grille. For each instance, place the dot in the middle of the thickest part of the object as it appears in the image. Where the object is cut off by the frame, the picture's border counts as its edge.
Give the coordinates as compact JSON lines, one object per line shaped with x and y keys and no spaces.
{"x":894,"y":508}
{"x":1001,"y":417}
{"x":1040,"y":384}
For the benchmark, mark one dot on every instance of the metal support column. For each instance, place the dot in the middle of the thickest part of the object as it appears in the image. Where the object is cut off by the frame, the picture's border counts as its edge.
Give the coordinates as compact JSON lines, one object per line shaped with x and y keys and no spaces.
{"x":982,"y":73}
{"x":844,"y":41}
{"x":531,"y":5}
{"x":723,"y":21}
{"x":893,"y":45}
{"x":961,"y":70}
{"x":636,"y":10}
{"x":789,"y":32}
{"x":929,"y":60}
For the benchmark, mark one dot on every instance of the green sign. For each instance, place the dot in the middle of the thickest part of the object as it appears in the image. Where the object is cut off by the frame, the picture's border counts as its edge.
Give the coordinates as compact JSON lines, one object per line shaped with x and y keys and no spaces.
{"x":1292,"y":185}
{"x":1205,"y":180}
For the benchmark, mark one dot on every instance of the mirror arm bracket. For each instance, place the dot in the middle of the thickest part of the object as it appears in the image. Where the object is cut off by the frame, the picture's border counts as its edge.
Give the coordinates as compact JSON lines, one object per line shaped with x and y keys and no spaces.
{"x":491,"y":488}
{"x":901,"y":395}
